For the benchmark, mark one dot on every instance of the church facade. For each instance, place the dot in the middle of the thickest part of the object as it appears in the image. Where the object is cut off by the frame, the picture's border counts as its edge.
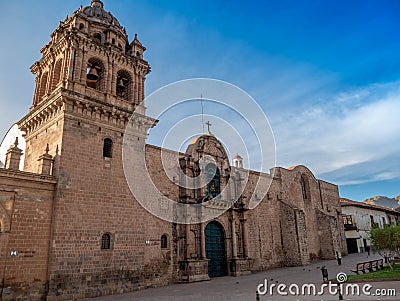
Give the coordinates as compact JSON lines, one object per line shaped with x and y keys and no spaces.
{"x":71,"y":227}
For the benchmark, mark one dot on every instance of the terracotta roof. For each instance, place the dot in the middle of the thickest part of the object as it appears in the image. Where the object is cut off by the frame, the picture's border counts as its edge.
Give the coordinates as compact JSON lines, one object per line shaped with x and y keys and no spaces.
{"x":346,"y":202}
{"x":237,"y":157}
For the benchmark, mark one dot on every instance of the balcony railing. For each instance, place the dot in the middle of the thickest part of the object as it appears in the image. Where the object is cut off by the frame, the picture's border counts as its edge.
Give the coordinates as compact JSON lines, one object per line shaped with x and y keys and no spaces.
{"x":349,"y":227}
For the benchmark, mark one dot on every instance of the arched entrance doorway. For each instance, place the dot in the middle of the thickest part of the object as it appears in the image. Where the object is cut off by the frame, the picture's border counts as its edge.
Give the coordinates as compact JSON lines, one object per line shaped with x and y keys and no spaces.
{"x":215,"y":250}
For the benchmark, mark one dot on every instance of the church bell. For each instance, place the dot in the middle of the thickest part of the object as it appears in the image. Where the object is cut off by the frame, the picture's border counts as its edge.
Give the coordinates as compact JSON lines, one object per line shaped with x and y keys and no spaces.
{"x":121,"y":84}
{"x":92,"y":74}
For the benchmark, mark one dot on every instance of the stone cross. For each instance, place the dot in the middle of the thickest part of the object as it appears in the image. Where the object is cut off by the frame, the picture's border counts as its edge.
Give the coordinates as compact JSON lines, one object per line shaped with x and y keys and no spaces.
{"x":208,"y":126}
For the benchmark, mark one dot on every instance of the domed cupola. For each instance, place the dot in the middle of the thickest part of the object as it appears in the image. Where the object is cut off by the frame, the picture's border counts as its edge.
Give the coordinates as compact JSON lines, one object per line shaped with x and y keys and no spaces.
{"x":101,"y":26}
{"x":96,"y":12}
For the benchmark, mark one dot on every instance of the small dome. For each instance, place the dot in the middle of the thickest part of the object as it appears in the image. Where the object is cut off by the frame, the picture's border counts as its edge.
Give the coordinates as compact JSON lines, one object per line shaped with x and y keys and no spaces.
{"x":95,"y":11}
{"x":237,"y":157}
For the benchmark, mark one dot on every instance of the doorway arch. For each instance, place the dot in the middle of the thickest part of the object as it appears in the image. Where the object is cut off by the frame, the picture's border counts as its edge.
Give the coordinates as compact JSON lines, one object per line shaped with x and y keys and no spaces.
{"x":215,"y":249}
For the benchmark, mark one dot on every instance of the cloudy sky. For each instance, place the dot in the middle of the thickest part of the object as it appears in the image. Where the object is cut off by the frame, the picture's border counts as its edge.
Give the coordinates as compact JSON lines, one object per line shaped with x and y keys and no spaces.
{"x":326,"y":73}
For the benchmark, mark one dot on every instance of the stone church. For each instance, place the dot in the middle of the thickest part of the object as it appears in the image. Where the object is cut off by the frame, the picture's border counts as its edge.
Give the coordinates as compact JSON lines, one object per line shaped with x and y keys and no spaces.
{"x":70,"y":226}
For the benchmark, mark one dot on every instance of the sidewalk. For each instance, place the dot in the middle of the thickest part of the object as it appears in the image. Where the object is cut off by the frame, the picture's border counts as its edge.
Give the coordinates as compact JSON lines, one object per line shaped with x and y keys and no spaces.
{"x":244,"y":288}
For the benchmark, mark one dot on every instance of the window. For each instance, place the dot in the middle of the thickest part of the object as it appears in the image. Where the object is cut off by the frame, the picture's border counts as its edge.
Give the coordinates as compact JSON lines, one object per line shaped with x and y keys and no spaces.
{"x":213,"y":181}
{"x":373,"y":223}
{"x":97,"y":38}
{"x":303,"y":187}
{"x":347,"y":220}
{"x":107,"y":148}
{"x":348,"y":223}
{"x":164,"y":242}
{"x":106,"y":241}
{"x":57,"y":74}
{"x":43,"y":86}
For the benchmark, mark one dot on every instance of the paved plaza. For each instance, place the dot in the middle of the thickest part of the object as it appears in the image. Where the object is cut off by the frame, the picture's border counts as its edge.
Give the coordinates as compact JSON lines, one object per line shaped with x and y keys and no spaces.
{"x":244,"y":288}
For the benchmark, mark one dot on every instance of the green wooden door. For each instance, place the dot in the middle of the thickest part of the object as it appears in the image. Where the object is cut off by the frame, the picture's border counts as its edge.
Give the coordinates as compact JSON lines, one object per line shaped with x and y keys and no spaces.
{"x":215,"y":250}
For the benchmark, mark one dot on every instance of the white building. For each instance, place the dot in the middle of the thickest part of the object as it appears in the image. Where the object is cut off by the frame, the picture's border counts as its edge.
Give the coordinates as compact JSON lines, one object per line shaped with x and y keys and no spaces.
{"x":359,"y":218}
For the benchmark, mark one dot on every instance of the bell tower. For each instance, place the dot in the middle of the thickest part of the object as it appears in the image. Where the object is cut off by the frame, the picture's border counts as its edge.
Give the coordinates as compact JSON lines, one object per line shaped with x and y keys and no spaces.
{"x":89,"y":83}
{"x":90,"y":54}
{"x":89,"y":74}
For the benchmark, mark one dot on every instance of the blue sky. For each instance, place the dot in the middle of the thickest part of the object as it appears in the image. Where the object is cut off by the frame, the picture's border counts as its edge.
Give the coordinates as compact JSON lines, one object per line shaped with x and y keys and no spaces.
{"x":326,"y":73}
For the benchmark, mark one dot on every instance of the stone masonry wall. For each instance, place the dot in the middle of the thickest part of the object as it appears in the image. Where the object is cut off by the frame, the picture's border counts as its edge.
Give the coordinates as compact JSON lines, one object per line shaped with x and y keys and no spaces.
{"x":93,"y":198}
{"x":26,"y":203}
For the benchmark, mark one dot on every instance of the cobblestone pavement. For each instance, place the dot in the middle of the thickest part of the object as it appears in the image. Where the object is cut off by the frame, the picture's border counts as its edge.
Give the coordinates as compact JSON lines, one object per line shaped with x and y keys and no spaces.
{"x":244,"y":288}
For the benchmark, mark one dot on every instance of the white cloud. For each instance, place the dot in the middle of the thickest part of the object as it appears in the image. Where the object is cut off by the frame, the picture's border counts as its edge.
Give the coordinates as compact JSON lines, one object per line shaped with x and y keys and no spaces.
{"x":358,"y":129}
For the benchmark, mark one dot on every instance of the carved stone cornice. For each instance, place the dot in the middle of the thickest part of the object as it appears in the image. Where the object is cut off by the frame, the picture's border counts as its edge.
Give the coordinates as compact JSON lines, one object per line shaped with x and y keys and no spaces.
{"x":82,"y":107}
{"x":43,"y":113}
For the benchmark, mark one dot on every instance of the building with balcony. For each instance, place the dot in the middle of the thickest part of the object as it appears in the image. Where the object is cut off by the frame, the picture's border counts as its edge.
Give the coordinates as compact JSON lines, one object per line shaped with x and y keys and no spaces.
{"x":359,"y":218}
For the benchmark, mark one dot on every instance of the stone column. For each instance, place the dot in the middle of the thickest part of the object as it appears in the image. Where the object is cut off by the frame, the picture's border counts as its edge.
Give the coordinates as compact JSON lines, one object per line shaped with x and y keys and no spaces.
{"x":78,"y":65}
{"x":234,"y":240}
{"x":36,"y":94}
{"x":136,"y":87}
{"x":110,"y":80}
{"x":113,"y":79}
{"x":142,"y":79}
{"x":82,"y":78}
{"x":72,"y":55}
{"x":139,"y":85}
{"x":64,"y":67}
{"x":202,"y":241}
{"x":245,"y":238}
{"x":187,"y":235}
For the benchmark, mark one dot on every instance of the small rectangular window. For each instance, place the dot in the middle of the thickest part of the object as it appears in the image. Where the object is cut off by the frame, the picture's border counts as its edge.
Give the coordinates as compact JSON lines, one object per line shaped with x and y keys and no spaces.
{"x":105,"y":241}
{"x":107,"y":148}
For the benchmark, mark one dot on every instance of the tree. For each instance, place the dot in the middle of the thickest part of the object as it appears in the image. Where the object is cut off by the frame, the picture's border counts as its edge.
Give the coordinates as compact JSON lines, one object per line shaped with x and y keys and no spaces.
{"x":386,"y":242}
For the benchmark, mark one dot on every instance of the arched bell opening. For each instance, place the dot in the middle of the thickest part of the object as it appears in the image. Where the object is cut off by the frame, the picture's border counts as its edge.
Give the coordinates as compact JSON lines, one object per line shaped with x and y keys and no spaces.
{"x":95,"y":74}
{"x":124,"y":85}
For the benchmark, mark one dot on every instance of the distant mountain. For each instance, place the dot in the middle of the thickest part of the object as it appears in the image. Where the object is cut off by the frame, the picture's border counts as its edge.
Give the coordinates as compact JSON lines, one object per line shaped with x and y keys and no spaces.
{"x":384,"y":201}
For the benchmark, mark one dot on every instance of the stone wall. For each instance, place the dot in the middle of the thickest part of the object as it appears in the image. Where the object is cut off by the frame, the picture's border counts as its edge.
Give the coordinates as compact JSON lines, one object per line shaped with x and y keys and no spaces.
{"x":26,"y":202}
{"x":93,"y":198}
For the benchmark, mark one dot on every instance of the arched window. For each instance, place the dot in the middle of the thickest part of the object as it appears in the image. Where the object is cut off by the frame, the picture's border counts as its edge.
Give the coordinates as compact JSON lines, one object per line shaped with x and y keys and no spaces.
{"x":106,"y":241}
{"x":124,"y":85}
{"x":97,"y":38}
{"x":43,"y":86}
{"x":95,"y":74}
{"x":57,"y":74}
{"x":164,"y":241}
{"x":213,"y":181}
{"x":107,"y":148}
{"x":303,"y":187}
